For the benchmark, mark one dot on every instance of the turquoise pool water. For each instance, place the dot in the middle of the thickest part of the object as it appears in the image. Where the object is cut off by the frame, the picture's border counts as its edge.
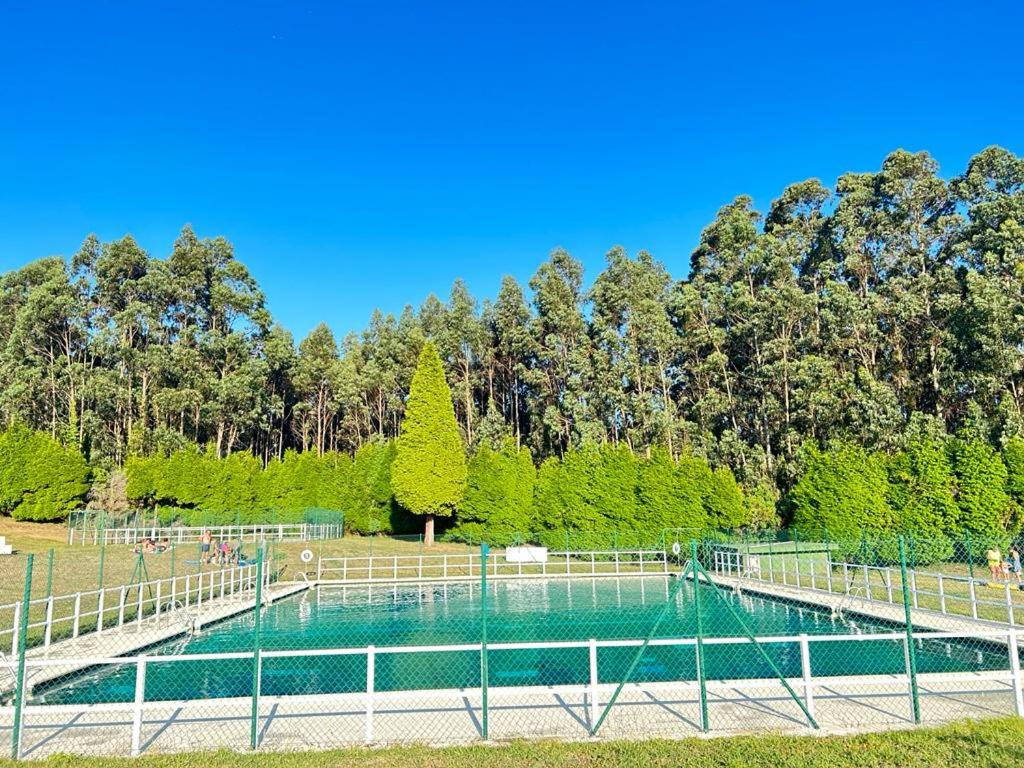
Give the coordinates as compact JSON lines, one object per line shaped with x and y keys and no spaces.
{"x":518,"y":612}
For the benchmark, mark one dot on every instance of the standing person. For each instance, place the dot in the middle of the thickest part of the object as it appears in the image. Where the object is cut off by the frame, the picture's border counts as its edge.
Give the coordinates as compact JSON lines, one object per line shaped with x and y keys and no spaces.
{"x":995,"y":564}
{"x":1015,"y":562}
{"x":204,"y":547}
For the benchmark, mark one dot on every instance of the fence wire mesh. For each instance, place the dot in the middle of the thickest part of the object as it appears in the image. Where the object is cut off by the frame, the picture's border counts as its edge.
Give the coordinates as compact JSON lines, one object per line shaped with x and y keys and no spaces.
{"x":283,"y":645}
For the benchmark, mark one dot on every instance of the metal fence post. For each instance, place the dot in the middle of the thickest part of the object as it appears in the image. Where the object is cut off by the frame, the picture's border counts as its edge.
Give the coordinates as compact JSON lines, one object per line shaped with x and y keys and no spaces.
{"x":99,"y":577}
{"x":699,"y":636}
{"x":140,"y":698}
{"x":805,"y":669}
{"x":911,"y":651}
{"x":19,"y":691}
{"x":370,"y":687}
{"x":484,"y":551}
{"x":796,"y":554}
{"x":1018,"y":688}
{"x":256,"y":661}
{"x":970,"y":556}
{"x":828,"y":561}
{"x":49,"y":572}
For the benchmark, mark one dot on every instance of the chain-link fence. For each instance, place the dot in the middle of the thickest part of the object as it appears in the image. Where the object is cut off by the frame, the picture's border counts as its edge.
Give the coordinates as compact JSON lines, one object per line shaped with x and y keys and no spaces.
{"x":384,"y":641}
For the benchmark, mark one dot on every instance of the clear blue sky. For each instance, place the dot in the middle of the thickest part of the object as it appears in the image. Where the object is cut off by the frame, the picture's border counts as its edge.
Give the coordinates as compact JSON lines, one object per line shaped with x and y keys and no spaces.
{"x":363,"y":154}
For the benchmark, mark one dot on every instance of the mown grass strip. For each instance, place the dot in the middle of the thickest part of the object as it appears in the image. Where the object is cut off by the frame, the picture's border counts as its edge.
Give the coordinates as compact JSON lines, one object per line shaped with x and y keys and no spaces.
{"x":984,"y":744}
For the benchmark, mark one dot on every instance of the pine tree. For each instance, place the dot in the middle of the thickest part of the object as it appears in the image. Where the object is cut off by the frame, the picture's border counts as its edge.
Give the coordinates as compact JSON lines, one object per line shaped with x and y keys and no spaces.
{"x":429,"y":472}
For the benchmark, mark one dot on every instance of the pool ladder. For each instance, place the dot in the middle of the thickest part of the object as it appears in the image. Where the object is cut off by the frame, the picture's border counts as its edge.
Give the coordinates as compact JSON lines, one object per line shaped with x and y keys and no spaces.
{"x":857,"y":593}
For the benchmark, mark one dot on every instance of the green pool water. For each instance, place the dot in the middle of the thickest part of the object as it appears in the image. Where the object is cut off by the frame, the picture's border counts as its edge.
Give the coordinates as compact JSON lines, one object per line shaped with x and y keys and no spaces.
{"x":518,"y":612}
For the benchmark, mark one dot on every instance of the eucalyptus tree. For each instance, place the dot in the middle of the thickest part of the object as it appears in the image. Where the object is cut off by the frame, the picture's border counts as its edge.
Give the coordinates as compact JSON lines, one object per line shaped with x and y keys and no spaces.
{"x":514,"y":350}
{"x":561,"y":374}
{"x":636,"y":349}
{"x":990,"y":324}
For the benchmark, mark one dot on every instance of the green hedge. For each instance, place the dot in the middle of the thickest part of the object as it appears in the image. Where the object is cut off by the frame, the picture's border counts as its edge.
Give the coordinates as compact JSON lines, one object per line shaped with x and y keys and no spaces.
{"x":40,"y":479}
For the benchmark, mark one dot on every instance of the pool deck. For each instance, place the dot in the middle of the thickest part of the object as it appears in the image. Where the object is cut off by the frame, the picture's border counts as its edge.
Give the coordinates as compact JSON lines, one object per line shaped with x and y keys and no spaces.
{"x":921,"y":618}
{"x":133,"y":636}
{"x":449,"y":717}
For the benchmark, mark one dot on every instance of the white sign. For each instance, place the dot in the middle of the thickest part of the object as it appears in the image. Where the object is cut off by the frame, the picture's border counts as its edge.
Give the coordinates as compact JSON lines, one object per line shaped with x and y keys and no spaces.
{"x":676,"y":549}
{"x":526,"y":555}
{"x":306,"y":556}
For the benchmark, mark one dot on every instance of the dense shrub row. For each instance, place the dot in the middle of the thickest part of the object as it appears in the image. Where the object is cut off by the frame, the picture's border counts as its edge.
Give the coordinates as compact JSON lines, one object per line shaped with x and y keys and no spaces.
{"x":40,"y":479}
{"x":937,"y":490}
{"x":596,"y":493}
{"x":196,"y":488}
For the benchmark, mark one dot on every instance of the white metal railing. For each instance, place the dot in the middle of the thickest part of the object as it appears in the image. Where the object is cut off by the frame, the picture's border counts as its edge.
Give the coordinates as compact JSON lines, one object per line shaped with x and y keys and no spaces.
{"x":74,"y":614}
{"x":942,"y":593}
{"x":595,"y":690}
{"x":454,"y":566}
{"x":194,"y":534}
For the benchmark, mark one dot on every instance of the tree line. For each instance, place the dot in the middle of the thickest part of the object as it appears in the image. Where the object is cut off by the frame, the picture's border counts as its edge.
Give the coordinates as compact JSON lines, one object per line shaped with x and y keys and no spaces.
{"x":844,"y":315}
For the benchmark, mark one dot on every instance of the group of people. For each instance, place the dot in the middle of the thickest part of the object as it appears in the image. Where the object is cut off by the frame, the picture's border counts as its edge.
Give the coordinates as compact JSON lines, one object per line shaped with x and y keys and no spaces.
{"x":212,"y":551}
{"x":1001,"y":568}
{"x":150,"y":546}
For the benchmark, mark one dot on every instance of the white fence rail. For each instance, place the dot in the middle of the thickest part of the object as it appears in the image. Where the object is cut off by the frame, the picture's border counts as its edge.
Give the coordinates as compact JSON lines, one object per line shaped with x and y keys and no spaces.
{"x":451,"y":567}
{"x":596,"y":690}
{"x":194,"y":534}
{"x":71,"y":615}
{"x":947,"y":594}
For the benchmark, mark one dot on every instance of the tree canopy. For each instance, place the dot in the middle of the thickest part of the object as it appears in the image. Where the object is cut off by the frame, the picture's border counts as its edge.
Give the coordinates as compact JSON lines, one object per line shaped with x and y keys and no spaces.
{"x":838,"y":318}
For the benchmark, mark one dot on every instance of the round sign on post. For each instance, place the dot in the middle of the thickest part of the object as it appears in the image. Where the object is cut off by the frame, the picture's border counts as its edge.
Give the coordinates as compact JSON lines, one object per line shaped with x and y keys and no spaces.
{"x":306,"y":556}
{"x":676,"y":549}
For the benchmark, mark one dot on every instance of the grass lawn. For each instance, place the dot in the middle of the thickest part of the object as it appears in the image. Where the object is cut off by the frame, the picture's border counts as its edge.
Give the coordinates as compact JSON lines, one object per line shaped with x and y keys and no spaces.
{"x":984,"y":744}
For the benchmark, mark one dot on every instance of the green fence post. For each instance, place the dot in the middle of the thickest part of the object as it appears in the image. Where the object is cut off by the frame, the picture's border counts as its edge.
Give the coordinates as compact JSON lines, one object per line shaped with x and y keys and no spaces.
{"x":256,"y":661}
{"x":699,"y":635}
{"x":19,"y":691}
{"x":970,"y":556}
{"x":911,"y":652}
{"x":484,"y":551}
{"x":103,"y":556}
{"x":796,"y":556}
{"x":828,"y":560}
{"x":49,"y":573}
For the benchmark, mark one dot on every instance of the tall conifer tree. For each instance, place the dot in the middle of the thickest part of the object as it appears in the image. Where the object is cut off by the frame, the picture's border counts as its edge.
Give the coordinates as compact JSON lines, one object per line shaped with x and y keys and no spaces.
{"x":429,"y":472}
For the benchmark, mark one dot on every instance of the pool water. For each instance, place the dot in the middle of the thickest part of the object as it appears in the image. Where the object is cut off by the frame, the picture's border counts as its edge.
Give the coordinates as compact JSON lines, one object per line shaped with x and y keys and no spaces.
{"x":517,"y":612}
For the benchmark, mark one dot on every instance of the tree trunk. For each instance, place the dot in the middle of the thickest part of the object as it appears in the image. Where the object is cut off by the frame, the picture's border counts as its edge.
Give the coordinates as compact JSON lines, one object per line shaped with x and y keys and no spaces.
{"x":428,"y":531}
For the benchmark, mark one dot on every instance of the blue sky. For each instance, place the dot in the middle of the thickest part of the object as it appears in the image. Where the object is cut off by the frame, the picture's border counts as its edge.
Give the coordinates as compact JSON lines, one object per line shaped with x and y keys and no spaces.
{"x":364,"y":154}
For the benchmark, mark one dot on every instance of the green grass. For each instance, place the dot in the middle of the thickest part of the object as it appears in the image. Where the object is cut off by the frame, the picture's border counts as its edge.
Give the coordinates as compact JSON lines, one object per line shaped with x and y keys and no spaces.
{"x":984,"y":744}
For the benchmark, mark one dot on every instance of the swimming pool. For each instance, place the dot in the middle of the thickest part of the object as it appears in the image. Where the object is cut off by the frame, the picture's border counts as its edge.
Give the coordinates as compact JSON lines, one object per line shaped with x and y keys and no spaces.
{"x":518,"y":612}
